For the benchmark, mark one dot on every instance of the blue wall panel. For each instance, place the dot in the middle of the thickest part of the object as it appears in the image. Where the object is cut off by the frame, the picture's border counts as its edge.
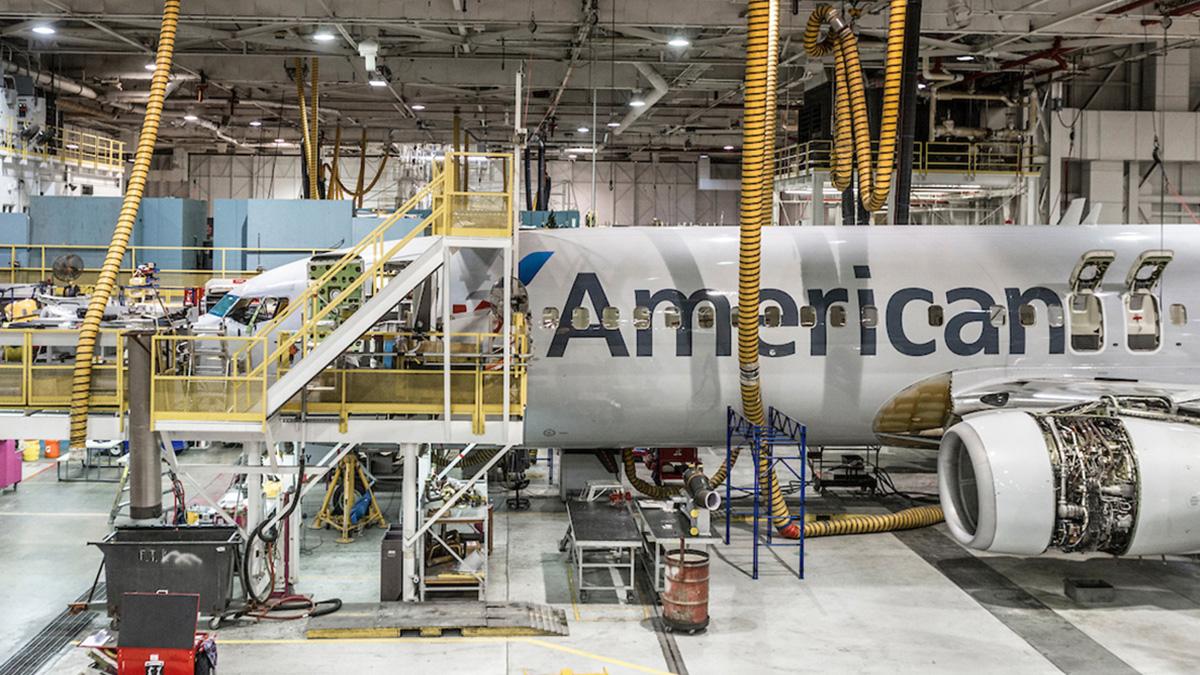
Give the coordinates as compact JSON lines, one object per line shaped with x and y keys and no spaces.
{"x":14,"y":229}
{"x":280,"y":223}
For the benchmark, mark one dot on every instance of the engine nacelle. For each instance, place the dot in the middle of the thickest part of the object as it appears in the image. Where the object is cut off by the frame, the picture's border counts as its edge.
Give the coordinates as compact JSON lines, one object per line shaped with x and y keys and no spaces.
{"x":1018,"y":482}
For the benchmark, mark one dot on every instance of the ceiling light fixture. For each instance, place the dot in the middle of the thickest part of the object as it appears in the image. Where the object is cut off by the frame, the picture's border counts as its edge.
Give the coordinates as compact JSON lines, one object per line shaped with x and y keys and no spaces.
{"x":679,"y":42}
{"x":613,"y":124}
{"x":572,"y":157}
{"x":151,"y":66}
{"x":255,"y":123}
{"x":279,"y":141}
{"x":417,"y":106}
{"x":637,"y":101}
{"x":583,"y":130}
{"x":921,"y":85}
{"x":379,"y":77}
{"x":728,"y":147}
{"x":323,"y":34}
{"x":190,"y":116}
{"x":964,"y":57}
{"x":43,"y":29}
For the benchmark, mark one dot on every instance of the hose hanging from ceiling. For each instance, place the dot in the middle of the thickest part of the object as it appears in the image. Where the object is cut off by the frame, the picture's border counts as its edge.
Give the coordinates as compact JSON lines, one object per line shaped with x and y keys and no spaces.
{"x":359,"y":191}
{"x":81,"y":380}
{"x":852,"y":132}
{"x":314,"y":148}
{"x":306,"y":140}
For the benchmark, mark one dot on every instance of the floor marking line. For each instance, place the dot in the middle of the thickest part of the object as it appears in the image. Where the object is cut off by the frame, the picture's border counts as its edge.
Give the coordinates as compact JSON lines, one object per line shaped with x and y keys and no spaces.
{"x":571,"y":588}
{"x":1063,"y":644}
{"x":55,"y":514}
{"x":455,"y":640}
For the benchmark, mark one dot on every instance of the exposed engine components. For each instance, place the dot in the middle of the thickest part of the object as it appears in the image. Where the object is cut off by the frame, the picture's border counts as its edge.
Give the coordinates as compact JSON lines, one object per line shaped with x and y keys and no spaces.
{"x":1087,"y":478}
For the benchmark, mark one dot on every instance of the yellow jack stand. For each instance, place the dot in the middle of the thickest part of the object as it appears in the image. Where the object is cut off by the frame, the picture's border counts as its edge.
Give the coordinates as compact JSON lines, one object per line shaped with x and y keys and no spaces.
{"x":345,"y":475}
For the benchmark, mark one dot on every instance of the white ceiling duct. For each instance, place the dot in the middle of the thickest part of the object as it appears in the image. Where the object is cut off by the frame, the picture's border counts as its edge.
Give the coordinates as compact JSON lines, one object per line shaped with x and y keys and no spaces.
{"x":659,"y":90}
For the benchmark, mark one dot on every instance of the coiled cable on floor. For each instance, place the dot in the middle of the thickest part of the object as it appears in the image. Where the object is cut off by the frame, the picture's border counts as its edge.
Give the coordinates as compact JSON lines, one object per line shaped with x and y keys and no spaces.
{"x":852,"y":133}
{"x":81,"y":379}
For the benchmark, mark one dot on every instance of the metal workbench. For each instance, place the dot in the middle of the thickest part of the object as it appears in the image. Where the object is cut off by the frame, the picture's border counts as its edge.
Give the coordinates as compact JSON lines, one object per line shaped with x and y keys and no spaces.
{"x":663,"y":530}
{"x":605,"y":537}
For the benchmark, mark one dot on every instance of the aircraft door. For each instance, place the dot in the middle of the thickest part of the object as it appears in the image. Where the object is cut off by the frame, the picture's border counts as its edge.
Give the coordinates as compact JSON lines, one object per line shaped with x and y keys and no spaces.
{"x":1085,"y":311}
{"x":1143,"y":320}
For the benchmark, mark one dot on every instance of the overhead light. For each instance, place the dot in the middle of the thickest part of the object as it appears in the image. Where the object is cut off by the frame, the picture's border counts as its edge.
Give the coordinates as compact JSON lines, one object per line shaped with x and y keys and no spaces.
{"x":704,"y":156}
{"x":678,"y":42}
{"x":964,"y":57}
{"x":921,"y":85}
{"x":323,"y":34}
{"x":279,"y":141}
{"x":43,"y":29}
{"x":379,"y":77}
{"x":728,"y":147}
{"x":190,"y":116}
{"x":582,"y":150}
{"x":583,"y":130}
{"x":255,"y":123}
{"x":613,"y":124}
{"x":572,"y":156}
{"x":151,"y":66}
{"x":636,"y":101}
{"x":417,"y":106}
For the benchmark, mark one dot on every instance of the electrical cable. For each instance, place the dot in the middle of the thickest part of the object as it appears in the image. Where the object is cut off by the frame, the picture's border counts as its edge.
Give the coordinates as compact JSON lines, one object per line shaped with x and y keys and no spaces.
{"x":81,"y":378}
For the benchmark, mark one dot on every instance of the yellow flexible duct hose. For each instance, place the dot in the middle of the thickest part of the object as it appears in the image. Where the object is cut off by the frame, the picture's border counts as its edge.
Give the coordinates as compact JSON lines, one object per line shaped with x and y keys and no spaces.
{"x":334,"y":189}
{"x":81,"y":381}
{"x":649,"y":489}
{"x":314,"y":154}
{"x":307,"y":141}
{"x":362,"y":169}
{"x":908,"y":519}
{"x":852,"y":133}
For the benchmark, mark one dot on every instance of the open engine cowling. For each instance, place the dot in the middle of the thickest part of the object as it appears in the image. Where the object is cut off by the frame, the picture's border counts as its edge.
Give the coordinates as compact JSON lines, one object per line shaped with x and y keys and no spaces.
{"x":1018,"y":482}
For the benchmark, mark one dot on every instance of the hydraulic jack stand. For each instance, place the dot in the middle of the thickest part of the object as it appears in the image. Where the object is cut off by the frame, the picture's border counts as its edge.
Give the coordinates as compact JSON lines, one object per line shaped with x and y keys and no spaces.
{"x":356,"y":512}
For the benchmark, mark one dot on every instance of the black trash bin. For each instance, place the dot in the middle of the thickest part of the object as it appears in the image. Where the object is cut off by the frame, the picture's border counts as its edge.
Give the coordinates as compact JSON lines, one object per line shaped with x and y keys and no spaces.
{"x":146,"y":559}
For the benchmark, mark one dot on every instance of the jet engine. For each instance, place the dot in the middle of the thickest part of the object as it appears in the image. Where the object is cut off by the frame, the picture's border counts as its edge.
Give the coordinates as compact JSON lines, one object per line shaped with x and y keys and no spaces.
{"x":1088,"y":478}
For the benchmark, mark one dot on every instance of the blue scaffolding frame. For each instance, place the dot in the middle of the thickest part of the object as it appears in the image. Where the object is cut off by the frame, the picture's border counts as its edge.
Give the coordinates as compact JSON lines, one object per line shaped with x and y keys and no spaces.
{"x":781,"y":432}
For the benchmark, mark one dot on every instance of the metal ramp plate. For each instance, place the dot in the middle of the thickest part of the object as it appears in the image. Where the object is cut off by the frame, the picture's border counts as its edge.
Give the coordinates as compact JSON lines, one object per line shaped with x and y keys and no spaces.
{"x":470,"y":619}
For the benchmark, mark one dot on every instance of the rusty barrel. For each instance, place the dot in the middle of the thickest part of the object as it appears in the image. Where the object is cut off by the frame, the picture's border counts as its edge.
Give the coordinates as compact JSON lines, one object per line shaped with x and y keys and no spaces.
{"x":685,"y":594}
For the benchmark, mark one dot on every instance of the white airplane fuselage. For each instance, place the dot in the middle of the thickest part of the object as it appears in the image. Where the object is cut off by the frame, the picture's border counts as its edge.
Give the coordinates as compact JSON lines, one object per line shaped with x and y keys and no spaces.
{"x":623,"y":383}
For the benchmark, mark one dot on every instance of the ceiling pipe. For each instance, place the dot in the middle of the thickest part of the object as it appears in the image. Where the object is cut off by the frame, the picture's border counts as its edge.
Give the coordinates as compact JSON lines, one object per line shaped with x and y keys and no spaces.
{"x":59,"y":84}
{"x":660,"y":89}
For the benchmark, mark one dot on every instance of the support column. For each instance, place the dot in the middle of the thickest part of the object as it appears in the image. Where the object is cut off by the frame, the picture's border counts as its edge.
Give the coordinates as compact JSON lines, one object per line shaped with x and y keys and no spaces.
{"x":252,"y":456}
{"x":408,"y":519}
{"x":902,"y":190}
{"x":145,"y":457}
{"x":817,"y":203}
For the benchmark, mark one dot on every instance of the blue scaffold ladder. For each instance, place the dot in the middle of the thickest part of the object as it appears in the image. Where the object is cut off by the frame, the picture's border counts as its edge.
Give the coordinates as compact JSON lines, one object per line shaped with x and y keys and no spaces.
{"x":783,"y":442}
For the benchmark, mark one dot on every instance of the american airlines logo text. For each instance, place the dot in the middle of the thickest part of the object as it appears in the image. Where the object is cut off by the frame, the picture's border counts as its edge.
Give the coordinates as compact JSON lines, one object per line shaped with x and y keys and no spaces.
{"x":968,"y":327}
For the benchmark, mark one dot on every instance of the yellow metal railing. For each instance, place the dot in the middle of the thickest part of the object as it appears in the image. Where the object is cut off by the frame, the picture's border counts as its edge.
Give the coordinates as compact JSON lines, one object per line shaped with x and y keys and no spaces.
{"x":185,"y":385}
{"x":412,"y":382}
{"x":36,"y":366}
{"x":66,"y":144}
{"x":966,"y":157}
{"x":391,"y":373}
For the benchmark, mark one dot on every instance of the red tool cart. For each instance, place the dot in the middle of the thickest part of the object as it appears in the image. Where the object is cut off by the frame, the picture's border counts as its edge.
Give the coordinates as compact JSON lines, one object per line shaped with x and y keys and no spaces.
{"x":158,"y":636}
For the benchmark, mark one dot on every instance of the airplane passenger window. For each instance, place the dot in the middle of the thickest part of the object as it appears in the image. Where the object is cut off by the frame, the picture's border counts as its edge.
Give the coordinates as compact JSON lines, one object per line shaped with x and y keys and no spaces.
{"x":610,"y":318}
{"x":808,"y":316}
{"x":996,"y":315}
{"x":706,"y":315}
{"x":772,"y":316}
{"x":641,"y":318}
{"x":870,"y":316}
{"x":1027,"y":314}
{"x":550,"y":318}
{"x":671,"y":317}
{"x":937,"y":316}
{"x":580,"y":318}
{"x":1055,"y":314}
{"x":837,"y":316}
{"x":1178,"y":314}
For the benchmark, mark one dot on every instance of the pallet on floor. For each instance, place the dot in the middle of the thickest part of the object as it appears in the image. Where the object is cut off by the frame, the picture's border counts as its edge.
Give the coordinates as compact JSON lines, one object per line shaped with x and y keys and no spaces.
{"x":469,"y":619}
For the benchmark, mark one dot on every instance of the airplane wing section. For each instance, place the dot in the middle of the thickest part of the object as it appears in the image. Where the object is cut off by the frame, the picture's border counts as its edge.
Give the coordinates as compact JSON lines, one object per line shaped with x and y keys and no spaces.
{"x":918,"y":415}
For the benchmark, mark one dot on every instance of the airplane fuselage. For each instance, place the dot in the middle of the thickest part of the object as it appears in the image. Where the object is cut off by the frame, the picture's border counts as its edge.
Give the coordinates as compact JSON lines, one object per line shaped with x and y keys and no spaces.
{"x":633,"y":338}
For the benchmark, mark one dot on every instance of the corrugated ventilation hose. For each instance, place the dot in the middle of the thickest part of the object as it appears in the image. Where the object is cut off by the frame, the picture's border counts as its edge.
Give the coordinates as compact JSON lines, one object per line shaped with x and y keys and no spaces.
{"x":81,"y":381}
{"x":852,"y":132}
{"x":307,"y":139}
{"x":908,"y":519}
